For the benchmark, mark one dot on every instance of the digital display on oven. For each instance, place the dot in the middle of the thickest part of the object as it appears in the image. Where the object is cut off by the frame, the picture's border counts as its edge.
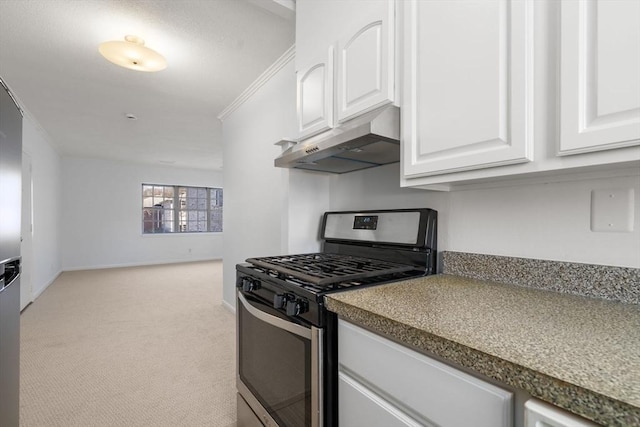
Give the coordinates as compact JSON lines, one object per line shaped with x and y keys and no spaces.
{"x":365,"y":222}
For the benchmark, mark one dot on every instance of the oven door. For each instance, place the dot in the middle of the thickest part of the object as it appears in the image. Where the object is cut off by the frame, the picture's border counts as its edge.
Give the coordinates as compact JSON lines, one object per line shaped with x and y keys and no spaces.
{"x":279,"y":365}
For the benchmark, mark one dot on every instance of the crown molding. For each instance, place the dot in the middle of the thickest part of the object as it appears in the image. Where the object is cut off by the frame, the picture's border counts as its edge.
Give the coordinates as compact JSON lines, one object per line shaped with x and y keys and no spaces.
{"x":259,"y":82}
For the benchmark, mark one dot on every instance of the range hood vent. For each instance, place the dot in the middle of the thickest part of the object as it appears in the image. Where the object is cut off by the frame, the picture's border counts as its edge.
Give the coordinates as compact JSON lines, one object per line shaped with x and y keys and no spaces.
{"x":370,"y":140}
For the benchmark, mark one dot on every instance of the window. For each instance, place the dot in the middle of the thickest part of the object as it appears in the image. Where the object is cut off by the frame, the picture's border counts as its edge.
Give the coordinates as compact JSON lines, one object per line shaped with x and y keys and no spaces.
{"x":180,"y":209}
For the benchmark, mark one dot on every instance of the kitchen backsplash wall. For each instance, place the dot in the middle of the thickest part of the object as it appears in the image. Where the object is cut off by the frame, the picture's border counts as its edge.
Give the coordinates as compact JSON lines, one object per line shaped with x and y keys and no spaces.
{"x":595,"y":281}
{"x":379,"y":188}
{"x":526,"y":219}
{"x":308,"y":199}
{"x":543,"y":221}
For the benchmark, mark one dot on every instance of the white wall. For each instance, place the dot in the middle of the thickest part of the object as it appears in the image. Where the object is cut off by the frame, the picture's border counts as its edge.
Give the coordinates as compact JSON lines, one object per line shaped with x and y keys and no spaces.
{"x":543,"y":221}
{"x":379,"y":188}
{"x":46,"y":196}
{"x":267,"y":209}
{"x":102,"y":210}
{"x":527,"y":218}
{"x":307,"y":199}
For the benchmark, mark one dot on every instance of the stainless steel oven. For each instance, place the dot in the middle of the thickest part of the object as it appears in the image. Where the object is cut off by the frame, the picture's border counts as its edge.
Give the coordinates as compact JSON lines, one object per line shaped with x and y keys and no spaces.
{"x":287,"y":340}
{"x":278,"y":365}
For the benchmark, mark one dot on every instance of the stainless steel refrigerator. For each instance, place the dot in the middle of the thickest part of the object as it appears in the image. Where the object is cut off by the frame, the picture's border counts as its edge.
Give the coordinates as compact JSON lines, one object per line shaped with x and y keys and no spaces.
{"x":10,"y":210}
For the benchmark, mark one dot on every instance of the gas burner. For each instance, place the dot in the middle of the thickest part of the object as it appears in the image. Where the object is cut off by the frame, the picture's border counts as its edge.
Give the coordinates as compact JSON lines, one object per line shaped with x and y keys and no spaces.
{"x":324,"y":269}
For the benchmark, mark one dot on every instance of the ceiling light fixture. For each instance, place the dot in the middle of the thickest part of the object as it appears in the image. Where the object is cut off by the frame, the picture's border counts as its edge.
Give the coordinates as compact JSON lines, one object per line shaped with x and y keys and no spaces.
{"x":133,"y":54}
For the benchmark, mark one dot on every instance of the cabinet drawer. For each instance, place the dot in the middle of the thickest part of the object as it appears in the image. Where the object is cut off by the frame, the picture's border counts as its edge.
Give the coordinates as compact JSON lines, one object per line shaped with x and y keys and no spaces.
{"x":538,"y":413}
{"x":439,"y":393}
{"x":359,"y":406}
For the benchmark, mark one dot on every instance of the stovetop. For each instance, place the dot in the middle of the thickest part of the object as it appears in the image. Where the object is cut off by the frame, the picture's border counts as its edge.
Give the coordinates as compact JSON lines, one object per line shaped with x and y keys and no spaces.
{"x":322,"y":270}
{"x":359,"y":249}
{"x":268,"y":284}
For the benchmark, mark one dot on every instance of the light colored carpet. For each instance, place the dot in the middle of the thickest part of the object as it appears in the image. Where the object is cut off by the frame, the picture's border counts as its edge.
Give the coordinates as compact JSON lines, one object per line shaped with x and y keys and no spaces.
{"x":141,"y":346}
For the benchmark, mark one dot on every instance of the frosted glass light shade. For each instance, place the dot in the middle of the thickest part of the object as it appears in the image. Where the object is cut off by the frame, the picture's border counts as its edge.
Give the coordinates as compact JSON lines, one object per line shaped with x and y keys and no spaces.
{"x":133,"y":54}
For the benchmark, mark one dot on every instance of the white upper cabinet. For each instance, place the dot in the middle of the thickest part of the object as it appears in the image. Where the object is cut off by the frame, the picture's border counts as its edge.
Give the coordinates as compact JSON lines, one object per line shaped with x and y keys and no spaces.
{"x":365,"y":63}
{"x":489,"y":92}
{"x":467,"y":98}
{"x":599,"y":75}
{"x":315,"y":96}
{"x":362,"y":32}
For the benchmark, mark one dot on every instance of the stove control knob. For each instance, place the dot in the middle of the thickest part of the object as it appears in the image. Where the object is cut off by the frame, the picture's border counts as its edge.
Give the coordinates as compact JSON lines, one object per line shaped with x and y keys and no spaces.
{"x":249,"y":285}
{"x":239,"y":281}
{"x":280,"y":300}
{"x":296,"y":307}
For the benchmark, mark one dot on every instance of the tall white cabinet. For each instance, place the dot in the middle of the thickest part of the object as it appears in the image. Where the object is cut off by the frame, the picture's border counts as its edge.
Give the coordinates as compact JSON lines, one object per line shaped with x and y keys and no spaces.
{"x":345,"y":60}
{"x":467,"y":98}
{"x":600,"y":75}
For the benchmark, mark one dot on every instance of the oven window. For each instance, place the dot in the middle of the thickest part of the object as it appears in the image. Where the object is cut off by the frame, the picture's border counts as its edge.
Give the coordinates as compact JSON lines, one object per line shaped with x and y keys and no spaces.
{"x":276,"y":366}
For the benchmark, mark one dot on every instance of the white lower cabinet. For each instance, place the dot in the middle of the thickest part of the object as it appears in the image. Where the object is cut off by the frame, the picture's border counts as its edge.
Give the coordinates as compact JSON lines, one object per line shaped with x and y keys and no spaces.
{"x":362,"y":407}
{"x":386,"y":384}
{"x":540,"y":414}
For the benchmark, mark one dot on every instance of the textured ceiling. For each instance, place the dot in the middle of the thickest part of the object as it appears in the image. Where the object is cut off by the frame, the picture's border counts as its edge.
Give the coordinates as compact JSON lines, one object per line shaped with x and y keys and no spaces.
{"x":49,"y":58}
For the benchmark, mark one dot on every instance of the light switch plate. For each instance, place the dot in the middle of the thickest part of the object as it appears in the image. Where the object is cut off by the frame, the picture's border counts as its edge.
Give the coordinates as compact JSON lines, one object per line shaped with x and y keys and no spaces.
{"x":612,"y":210}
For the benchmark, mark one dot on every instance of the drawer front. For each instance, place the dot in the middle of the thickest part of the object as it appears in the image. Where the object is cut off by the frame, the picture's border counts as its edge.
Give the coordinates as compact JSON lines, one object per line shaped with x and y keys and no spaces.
{"x":359,"y":406}
{"x":438,"y":392}
{"x":538,"y":413}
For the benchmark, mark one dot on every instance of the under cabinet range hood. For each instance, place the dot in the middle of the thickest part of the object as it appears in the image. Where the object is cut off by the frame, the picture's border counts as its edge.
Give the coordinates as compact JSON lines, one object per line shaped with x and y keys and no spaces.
{"x":372,"y":139}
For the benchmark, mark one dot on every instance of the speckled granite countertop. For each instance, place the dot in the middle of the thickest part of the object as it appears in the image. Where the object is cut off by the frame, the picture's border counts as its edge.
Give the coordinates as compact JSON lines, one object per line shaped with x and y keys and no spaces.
{"x":582,"y":354}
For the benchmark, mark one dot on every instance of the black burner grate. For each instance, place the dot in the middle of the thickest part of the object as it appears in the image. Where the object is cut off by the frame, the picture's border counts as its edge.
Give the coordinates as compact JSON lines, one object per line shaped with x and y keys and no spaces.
{"x":324,"y":269}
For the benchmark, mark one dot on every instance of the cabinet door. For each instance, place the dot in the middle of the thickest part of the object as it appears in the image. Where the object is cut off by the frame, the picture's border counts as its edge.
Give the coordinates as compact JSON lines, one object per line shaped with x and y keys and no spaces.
{"x":315,"y":96}
{"x":599,"y":75}
{"x":467,"y":97}
{"x":366,"y":61}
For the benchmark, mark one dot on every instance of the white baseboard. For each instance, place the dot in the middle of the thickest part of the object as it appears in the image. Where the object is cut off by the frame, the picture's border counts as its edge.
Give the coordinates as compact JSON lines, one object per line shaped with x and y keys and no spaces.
{"x":229,"y":307}
{"x":35,"y":295}
{"x":139,"y":264}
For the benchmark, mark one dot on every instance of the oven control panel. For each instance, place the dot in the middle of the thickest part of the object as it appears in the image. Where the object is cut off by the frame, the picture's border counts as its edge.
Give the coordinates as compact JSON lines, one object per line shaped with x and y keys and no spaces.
{"x":247,"y":284}
{"x":285,"y":302}
{"x":413,"y":227}
{"x":293,"y":305}
{"x":365,"y":222}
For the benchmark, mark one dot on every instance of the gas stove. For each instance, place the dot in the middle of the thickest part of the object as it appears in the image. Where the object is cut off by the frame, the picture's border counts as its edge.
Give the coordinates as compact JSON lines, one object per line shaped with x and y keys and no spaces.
{"x":280,"y":298}
{"x":296,"y":296}
{"x":360,"y":249}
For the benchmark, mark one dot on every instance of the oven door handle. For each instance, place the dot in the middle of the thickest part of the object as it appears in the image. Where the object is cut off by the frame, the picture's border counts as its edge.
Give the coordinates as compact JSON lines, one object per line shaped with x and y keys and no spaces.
{"x":275,"y":321}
